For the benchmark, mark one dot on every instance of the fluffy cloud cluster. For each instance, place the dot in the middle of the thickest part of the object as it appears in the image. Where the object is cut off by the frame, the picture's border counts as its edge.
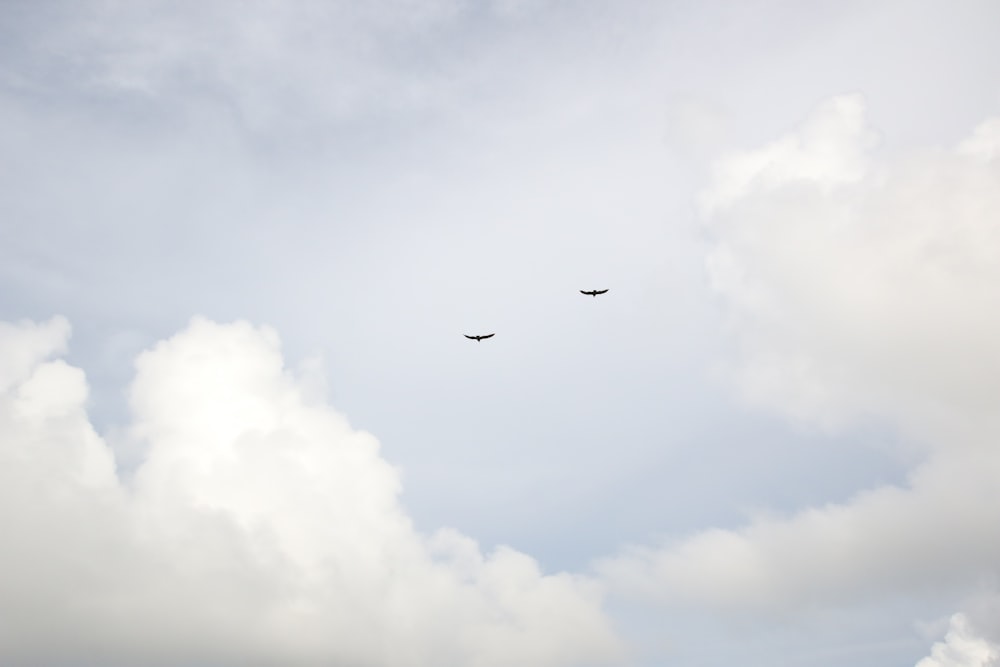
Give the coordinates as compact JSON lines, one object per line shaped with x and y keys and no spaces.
{"x":260,"y":529}
{"x":962,"y":647}
{"x":858,"y":288}
{"x":864,"y":288}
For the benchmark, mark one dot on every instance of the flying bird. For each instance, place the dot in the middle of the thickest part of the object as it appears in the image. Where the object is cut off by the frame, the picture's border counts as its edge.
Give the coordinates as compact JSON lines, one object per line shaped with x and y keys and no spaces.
{"x":593,"y":292}
{"x":479,"y":338}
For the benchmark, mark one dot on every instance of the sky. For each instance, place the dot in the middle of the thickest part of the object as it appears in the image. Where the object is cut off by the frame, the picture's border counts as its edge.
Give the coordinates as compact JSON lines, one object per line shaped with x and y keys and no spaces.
{"x":241,"y":244}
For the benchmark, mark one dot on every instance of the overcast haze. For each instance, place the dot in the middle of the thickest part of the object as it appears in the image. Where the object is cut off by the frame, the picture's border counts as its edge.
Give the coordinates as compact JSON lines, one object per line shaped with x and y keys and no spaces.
{"x":240,"y":244}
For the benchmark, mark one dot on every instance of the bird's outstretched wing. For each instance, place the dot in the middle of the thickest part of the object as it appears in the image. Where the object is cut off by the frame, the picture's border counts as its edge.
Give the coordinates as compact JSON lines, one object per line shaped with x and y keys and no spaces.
{"x":470,"y":337}
{"x":583,"y":291}
{"x":488,"y":335}
{"x":600,"y":291}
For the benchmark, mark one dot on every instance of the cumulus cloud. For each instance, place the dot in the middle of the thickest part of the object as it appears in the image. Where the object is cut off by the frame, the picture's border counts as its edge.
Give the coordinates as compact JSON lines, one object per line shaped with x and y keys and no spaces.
{"x":260,"y":528}
{"x":859,"y":287}
{"x":865,"y":296}
{"x":962,"y":647}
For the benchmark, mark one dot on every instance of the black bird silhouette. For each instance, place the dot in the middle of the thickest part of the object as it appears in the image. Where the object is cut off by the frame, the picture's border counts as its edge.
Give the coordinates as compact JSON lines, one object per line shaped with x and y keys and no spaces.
{"x":479,"y":338}
{"x":593,"y":292}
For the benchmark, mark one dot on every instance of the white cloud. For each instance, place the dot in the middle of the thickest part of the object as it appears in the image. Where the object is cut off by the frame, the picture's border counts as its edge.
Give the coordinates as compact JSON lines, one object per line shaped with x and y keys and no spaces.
{"x":858,"y":289}
{"x":934,"y":535}
{"x":827,"y":151}
{"x":984,"y":142}
{"x":260,"y":529}
{"x":962,"y":647}
{"x":26,"y":344}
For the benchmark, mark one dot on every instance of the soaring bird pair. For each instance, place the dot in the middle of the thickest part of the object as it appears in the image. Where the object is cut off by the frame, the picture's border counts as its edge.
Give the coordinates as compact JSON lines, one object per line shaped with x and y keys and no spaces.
{"x":593,"y":293}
